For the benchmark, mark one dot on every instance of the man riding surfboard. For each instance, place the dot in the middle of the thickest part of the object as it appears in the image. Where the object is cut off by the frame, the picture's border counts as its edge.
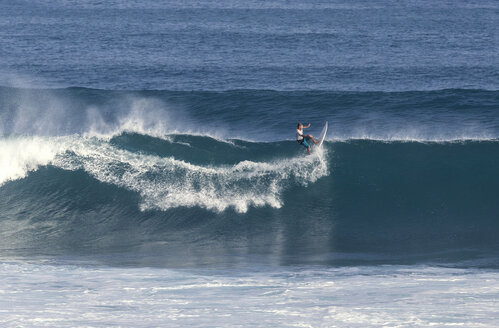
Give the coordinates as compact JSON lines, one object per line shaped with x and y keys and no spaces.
{"x":304,"y":139}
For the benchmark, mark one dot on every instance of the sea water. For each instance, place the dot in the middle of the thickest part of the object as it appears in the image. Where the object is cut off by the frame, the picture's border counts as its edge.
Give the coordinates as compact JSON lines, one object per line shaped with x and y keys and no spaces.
{"x":149,"y":176}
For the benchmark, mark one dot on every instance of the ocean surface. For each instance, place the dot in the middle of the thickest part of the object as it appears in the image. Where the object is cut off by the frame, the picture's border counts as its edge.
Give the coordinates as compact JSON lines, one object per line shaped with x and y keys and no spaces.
{"x":149,"y":174}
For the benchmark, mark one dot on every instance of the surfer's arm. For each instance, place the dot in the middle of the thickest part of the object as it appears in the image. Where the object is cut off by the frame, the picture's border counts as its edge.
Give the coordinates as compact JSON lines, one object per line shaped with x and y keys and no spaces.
{"x":306,"y":127}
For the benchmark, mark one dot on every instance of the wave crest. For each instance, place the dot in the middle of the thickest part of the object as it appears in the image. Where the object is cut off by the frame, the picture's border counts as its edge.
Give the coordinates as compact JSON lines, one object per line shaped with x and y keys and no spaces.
{"x":21,"y":155}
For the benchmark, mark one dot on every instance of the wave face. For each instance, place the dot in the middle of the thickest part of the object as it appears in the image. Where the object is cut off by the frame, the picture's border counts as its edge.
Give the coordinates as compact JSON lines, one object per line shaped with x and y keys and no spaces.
{"x":194,"y":200}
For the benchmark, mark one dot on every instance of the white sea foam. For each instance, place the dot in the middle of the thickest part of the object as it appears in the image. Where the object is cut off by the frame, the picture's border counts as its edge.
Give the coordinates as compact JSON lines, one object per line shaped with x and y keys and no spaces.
{"x":19,"y":156}
{"x":57,"y":113}
{"x":166,"y":183}
{"x":163,"y":182}
{"x":146,"y":116}
{"x":389,"y":296}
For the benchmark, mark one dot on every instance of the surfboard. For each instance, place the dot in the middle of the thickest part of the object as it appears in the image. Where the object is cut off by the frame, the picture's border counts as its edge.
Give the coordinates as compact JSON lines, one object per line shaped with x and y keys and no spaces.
{"x":322,"y":136}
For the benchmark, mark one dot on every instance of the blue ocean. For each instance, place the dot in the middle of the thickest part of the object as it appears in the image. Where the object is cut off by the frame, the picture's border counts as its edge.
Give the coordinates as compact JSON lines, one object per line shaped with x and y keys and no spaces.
{"x":150,"y":174}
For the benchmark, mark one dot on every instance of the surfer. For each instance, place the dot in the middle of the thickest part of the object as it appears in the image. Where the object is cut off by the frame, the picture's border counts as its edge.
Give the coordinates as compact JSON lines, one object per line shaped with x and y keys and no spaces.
{"x":304,"y":139}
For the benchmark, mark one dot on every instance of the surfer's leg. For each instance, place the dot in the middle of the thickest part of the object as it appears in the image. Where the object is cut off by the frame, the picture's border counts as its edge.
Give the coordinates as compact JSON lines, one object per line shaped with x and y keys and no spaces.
{"x":305,"y":143}
{"x":313,"y":139}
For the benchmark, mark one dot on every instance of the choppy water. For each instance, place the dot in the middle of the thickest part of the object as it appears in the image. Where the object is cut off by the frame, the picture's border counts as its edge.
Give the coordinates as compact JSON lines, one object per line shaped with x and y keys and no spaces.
{"x":395,"y":296}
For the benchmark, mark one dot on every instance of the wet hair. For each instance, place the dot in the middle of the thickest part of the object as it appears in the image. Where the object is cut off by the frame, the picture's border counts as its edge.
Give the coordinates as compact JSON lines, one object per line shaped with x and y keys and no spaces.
{"x":298,"y":125}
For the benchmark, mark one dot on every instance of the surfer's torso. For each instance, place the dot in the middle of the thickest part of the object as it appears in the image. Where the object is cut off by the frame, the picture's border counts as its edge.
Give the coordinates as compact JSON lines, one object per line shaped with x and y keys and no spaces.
{"x":299,"y":134}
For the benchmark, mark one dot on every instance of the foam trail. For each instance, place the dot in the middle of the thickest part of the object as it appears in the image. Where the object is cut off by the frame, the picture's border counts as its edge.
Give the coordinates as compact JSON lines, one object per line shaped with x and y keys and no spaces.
{"x":166,"y":183}
{"x":163,"y":182}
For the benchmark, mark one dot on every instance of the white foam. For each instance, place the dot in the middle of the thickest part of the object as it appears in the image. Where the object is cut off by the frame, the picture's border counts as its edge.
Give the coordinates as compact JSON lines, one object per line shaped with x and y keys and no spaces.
{"x":147,"y":116}
{"x":163,"y":183}
{"x":20,"y":155}
{"x":392,"y":296}
{"x":46,"y":113}
{"x":166,"y":183}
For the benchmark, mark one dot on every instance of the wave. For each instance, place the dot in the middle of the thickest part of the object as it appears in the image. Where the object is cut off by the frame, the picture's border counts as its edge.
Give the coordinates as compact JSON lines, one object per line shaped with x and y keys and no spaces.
{"x":164,"y":182}
{"x":253,"y":115}
{"x":165,"y":199}
{"x":166,"y":176}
